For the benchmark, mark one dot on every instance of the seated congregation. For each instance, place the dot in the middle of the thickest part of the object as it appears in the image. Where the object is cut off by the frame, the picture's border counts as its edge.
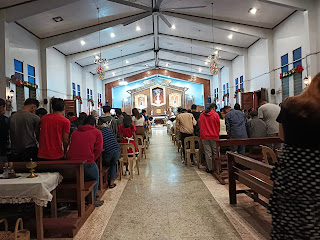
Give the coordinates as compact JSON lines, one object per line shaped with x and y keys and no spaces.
{"x":87,"y":152}
{"x":270,"y":154}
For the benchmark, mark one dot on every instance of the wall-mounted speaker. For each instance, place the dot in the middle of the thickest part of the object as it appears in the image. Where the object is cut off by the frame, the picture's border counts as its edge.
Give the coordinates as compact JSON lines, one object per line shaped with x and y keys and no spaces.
{"x":273,"y":91}
{"x":45,"y":101}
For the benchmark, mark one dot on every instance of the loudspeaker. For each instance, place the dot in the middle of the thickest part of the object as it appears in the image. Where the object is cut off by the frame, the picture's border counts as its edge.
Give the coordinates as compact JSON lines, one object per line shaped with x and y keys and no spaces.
{"x":45,"y":101}
{"x":273,"y":91}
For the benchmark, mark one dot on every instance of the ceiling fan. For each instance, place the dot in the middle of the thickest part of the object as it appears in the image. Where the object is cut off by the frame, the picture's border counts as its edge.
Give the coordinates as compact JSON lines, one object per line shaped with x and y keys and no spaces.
{"x":156,"y":10}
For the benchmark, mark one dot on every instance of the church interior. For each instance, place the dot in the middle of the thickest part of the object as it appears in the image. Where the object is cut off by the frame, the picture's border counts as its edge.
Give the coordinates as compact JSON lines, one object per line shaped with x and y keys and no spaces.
{"x":159,"y":119}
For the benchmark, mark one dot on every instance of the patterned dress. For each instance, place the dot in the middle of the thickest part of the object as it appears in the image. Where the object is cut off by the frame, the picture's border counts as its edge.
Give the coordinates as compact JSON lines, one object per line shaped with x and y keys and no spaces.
{"x":295,"y":202}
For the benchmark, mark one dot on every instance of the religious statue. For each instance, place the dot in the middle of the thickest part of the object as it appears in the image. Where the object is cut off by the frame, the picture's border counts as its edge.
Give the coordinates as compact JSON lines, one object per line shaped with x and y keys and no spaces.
{"x":158,"y":101}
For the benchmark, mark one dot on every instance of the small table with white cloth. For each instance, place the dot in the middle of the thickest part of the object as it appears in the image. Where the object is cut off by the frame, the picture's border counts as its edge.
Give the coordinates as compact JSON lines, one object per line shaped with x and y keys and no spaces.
{"x":39,"y":190}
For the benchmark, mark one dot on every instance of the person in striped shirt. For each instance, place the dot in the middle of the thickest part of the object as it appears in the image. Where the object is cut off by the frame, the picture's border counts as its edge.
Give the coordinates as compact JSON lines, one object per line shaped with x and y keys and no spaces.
{"x":110,"y":155}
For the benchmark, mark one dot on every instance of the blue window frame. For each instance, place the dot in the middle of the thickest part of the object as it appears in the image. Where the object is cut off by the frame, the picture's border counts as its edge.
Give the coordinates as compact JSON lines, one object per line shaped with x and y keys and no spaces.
{"x":31,"y":74}
{"x":241,"y":82}
{"x":224,"y":89}
{"x":74,"y":93}
{"x":297,"y":57}
{"x":227,"y":88}
{"x":79,"y":92}
{"x":18,"y":69}
{"x":285,"y":81}
{"x":217,"y":92}
{"x":91,"y":94}
{"x":284,"y":61}
{"x":237,"y":84}
{"x":88,"y":93}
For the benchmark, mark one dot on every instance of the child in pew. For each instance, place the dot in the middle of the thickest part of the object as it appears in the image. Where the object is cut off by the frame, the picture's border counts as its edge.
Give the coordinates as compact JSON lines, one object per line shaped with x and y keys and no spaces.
{"x":87,"y":144}
{"x":127,"y":133}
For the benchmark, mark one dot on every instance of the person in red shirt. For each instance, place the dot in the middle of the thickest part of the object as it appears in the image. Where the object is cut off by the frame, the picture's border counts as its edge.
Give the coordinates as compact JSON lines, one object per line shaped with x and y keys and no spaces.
{"x":127,"y":132}
{"x":209,"y":124}
{"x":87,"y":144}
{"x":71,"y":116}
{"x":54,"y":133}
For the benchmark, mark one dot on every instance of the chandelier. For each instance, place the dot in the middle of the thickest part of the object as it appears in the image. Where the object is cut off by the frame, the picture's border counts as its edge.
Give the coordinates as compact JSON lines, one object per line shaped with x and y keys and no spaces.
{"x":99,"y":60}
{"x":213,"y":66}
{"x":193,"y":77}
{"x":100,"y":71}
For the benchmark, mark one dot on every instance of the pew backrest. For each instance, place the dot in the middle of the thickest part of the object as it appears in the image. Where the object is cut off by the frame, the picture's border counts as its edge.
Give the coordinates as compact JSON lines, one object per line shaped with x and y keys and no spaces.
{"x":190,"y":143}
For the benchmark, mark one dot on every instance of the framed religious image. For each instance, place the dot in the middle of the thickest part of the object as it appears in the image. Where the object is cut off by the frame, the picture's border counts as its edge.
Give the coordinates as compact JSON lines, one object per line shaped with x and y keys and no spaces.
{"x":175,"y":100}
{"x":158,"y":96}
{"x":140,"y":101}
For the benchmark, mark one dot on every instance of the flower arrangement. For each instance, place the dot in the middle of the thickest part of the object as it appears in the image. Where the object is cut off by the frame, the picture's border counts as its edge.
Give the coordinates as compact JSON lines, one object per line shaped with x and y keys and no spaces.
{"x":26,"y":84}
{"x":100,"y":104}
{"x":77,"y":98}
{"x":238,"y":91}
{"x":91,"y":101}
{"x":298,"y":69}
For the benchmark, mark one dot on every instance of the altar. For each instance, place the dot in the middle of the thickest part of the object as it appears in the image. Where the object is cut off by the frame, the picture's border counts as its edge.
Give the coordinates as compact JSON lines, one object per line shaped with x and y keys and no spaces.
{"x":159,"y":95}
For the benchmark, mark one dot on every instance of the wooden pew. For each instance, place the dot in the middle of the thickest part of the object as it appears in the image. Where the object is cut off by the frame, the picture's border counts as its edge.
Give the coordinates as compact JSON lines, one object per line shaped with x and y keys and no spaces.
{"x":220,"y":161}
{"x":72,"y":189}
{"x":252,"y":173}
{"x":103,"y":178}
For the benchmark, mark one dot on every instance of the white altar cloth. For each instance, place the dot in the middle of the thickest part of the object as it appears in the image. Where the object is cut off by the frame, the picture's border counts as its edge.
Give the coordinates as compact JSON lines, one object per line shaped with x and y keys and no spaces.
{"x":25,"y":190}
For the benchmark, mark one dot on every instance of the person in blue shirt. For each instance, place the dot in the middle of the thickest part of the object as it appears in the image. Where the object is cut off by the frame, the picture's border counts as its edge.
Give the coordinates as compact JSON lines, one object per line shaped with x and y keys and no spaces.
{"x":236,"y":126}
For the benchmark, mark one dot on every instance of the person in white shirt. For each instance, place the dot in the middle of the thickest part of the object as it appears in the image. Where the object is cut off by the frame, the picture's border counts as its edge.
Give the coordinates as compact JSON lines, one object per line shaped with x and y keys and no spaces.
{"x":269,"y":112}
{"x":138,"y":121}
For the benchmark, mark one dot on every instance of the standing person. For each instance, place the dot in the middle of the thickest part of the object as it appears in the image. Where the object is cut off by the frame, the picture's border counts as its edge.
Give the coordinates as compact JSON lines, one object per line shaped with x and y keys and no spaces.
{"x":146,"y":120}
{"x":138,"y":121}
{"x":209,"y":124}
{"x":120,"y":117}
{"x":269,"y":112}
{"x":24,"y":132}
{"x":54,"y":134}
{"x":294,"y":203}
{"x":108,"y":121}
{"x":256,"y":127}
{"x":87,"y":144}
{"x":110,"y":155}
{"x":236,"y":126}
{"x":196,"y":116}
{"x":223,"y":129}
{"x":184,"y":124}
{"x":71,"y":116}
{"x":40,"y":112}
{"x":4,"y":131}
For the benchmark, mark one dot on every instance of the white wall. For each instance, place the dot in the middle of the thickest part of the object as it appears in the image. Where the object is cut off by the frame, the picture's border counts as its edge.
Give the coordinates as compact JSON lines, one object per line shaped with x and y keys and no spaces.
{"x":237,"y":69}
{"x":24,"y":47}
{"x":287,"y":37}
{"x":258,"y":65}
{"x":57,"y":74}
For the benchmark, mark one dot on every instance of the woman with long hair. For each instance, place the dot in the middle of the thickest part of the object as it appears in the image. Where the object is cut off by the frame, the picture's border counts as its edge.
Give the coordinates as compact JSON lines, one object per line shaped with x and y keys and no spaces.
{"x":127,"y":132}
{"x":209,"y":124}
{"x":295,"y":201}
{"x":139,"y":121}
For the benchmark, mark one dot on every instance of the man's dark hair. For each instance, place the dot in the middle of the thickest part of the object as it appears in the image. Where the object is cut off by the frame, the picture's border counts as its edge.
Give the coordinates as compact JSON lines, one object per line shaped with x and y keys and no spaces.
{"x":82,"y":116}
{"x":253,"y":114}
{"x":106,"y":109}
{"x":237,"y":106}
{"x":118,"y":112}
{"x":172,"y":119}
{"x":41,"y":111}
{"x":211,"y":107}
{"x":2,"y":102}
{"x":180,"y":109}
{"x":184,"y":110}
{"x":220,"y":115}
{"x":262,"y":100}
{"x":150,"y":118}
{"x":31,"y":101}
{"x":57,"y":104}
{"x":70,"y":114}
{"x":89,"y":120}
{"x":193,"y":107}
{"x":143,"y":111}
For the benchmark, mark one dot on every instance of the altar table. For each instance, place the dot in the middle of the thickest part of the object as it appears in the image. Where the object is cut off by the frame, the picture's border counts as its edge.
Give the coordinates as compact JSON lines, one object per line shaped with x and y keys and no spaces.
{"x":39,"y":190}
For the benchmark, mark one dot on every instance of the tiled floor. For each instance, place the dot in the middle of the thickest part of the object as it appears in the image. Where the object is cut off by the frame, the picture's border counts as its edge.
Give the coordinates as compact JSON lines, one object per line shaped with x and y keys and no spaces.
{"x":170,"y":201}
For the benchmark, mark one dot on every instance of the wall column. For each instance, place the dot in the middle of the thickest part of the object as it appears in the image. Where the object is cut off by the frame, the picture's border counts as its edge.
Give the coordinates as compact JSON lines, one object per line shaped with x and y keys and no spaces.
{"x":272,"y":80}
{"x":3,"y":36}
{"x":44,"y":79}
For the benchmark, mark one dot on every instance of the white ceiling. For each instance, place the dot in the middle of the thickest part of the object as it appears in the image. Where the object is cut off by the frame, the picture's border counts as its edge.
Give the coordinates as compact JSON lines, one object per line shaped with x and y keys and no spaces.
{"x":9,"y":3}
{"x":138,"y":47}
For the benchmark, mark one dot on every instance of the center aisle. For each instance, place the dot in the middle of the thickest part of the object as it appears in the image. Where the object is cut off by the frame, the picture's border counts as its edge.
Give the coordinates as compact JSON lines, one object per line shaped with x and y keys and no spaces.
{"x":167,"y":201}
